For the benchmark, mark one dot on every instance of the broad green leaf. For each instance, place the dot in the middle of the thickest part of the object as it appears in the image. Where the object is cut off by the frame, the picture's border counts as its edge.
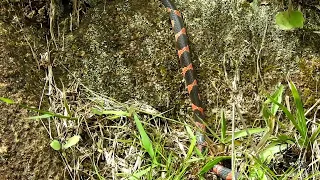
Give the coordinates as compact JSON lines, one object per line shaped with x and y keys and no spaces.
{"x":223,"y":126}
{"x":6,"y":100}
{"x":145,"y":140}
{"x":212,"y":163}
{"x":288,"y":20}
{"x":243,"y":133}
{"x":71,"y":142}
{"x":301,"y":120}
{"x":55,"y":144}
{"x":41,"y":116}
{"x":269,"y":152}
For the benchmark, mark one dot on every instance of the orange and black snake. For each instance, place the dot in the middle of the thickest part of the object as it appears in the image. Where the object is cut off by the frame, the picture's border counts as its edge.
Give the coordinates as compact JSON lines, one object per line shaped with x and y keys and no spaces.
{"x":188,"y":73}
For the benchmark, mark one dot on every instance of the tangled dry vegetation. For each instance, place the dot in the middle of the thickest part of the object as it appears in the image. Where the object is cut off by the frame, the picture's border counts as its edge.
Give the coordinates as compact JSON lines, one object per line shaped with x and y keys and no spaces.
{"x":97,"y":70}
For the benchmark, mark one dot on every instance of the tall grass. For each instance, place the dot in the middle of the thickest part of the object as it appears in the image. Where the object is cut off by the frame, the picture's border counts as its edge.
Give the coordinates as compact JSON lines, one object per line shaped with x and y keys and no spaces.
{"x":271,"y":144}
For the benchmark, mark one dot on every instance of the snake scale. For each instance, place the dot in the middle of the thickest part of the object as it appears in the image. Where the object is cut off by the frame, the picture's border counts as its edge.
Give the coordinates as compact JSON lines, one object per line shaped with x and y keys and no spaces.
{"x":188,"y":73}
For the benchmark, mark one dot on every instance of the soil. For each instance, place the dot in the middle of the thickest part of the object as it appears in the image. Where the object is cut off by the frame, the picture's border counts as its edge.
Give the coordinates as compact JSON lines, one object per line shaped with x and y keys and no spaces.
{"x":24,"y":145}
{"x":125,"y":49}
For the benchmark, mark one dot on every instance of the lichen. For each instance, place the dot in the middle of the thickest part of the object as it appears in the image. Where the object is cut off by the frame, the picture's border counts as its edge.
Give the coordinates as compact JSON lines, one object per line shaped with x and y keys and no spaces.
{"x":125,"y":49}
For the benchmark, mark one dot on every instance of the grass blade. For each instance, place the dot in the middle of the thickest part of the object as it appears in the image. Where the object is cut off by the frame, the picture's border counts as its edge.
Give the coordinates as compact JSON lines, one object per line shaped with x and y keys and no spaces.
{"x":65,"y":102}
{"x":315,"y":135}
{"x":97,"y":173}
{"x":266,"y":170}
{"x":266,"y":113}
{"x":145,"y":140}
{"x":212,"y":163}
{"x":195,"y":160}
{"x":41,"y":116}
{"x":256,"y":172}
{"x":288,"y":174}
{"x":244,"y":133}
{"x":182,"y":172}
{"x":284,"y":139}
{"x":223,"y":126}
{"x":139,"y":174}
{"x":168,"y":163}
{"x":47,"y":112}
{"x":278,"y":97}
{"x":117,"y":113}
{"x":287,"y":113}
{"x":7,"y":100}
{"x":193,"y":142}
{"x":269,"y":114}
{"x":301,"y":120}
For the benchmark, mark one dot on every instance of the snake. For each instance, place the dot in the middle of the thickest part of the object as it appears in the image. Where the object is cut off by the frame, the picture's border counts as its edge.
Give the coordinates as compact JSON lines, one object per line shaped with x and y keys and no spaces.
{"x":184,"y":55}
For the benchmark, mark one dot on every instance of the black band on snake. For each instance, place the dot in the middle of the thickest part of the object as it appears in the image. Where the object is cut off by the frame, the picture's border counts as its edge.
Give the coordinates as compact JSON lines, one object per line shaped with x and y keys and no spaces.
{"x":191,"y":82}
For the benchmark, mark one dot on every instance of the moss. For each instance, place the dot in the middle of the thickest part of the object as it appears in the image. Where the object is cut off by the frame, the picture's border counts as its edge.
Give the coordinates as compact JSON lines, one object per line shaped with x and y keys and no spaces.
{"x":28,"y":154}
{"x":310,"y":77}
{"x":126,"y":50}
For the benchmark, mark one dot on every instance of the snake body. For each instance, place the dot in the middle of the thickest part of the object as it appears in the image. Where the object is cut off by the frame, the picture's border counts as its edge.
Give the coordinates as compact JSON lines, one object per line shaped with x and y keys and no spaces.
{"x":188,"y":73}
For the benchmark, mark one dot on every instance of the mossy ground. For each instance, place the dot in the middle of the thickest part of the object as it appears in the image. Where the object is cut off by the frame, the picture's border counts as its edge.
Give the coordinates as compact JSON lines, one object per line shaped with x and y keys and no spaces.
{"x":125,"y":50}
{"x":24,"y":150}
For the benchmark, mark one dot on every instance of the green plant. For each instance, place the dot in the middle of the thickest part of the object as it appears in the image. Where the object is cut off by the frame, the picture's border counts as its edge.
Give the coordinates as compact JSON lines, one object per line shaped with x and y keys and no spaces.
{"x":227,"y":139}
{"x":269,"y":114}
{"x":56,"y":145}
{"x":161,"y":160}
{"x":144,"y":138}
{"x":265,"y":154}
{"x":211,"y":163}
{"x":157,"y":153}
{"x":289,"y":19}
{"x":44,"y":114}
{"x":298,"y":119}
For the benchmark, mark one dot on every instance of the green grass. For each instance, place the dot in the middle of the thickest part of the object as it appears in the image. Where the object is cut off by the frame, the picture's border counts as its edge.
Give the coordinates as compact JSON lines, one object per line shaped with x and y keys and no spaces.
{"x":141,"y":143}
{"x":298,"y":118}
{"x":272,"y":144}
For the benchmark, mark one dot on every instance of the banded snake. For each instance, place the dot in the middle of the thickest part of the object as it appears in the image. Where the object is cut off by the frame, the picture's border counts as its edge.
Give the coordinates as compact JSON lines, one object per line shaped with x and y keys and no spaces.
{"x":188,"y":73}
